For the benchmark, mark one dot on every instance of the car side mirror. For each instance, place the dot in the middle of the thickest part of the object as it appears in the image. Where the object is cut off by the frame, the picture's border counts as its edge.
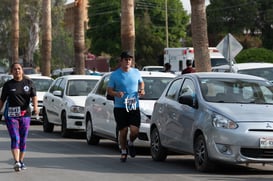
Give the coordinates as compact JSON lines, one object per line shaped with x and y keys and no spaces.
{"x":57,"y":93}
{"x":188,"y":100}
{"x":111,"y":98}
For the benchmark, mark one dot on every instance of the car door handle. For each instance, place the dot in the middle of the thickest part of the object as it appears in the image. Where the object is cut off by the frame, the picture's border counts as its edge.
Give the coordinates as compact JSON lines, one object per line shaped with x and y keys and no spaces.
{"x":52,"y":100}
{"x":104,"y":103}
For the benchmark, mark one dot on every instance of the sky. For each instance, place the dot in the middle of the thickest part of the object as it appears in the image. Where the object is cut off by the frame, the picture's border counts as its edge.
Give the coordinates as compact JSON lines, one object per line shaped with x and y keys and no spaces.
{"x":186,"y":4}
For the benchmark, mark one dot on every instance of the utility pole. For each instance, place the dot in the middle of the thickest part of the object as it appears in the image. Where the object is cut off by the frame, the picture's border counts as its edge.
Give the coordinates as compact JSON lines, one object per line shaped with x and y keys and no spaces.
{"x":166,"y":23}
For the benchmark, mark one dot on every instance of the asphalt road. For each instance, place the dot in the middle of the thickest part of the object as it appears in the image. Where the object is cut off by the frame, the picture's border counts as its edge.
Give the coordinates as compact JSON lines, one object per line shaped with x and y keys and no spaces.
{"x":53,"y":158}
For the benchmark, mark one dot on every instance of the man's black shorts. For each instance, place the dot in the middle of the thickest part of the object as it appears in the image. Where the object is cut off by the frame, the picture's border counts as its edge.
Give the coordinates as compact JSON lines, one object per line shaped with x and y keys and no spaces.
{"x":125,"y":119}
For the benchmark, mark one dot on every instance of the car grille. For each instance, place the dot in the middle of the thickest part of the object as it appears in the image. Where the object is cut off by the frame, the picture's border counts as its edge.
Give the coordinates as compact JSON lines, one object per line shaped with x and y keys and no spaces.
{"x":257,"y":153}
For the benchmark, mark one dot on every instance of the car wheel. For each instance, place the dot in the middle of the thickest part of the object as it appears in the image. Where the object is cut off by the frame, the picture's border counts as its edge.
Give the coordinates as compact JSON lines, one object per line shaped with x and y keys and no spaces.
{"x":90,"y":137}
{"x":158,"y":152}
{"x":47,"y":126}
{"x":202,"y":162}
{"x":64,"y":130}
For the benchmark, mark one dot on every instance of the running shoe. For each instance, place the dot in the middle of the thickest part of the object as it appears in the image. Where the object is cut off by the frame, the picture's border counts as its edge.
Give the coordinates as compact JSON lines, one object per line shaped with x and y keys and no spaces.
{"x":23,"y":166}
{"x":17,"y":166}
{"x":123,"y":157}
{"x":132,"y":150}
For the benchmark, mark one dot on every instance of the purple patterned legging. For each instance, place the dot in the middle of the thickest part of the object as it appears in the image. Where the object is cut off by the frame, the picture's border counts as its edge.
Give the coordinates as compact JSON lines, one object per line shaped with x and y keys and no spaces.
{"x":18,"y":130}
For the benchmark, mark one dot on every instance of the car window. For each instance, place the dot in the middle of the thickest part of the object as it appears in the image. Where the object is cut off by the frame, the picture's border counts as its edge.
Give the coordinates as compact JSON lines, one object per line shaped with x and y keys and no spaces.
{"x":80,"y":87}
{"x":238,"y":91}
{"x":266,"y":73}
{"x":42,"y":84}
{"x":187,"y":88}
{"x":55,"y":85}
{"x":154,"y":86}
{"x":101,"y":90}
{"x":174,"y":89}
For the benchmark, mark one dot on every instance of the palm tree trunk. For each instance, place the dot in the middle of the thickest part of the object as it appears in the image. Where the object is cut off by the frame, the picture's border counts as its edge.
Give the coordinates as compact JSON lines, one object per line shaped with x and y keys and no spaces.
{"x":15,"y":31}
{"x":128,"y":26}
{"x":79,"y":43}
{"x":200,"y":36}
{"x":46,"y":38}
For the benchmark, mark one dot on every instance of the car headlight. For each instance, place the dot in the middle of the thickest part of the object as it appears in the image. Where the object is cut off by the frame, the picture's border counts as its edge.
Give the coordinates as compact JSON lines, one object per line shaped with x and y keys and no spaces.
{"x":77,"y":109}
{"x":220,"y":121}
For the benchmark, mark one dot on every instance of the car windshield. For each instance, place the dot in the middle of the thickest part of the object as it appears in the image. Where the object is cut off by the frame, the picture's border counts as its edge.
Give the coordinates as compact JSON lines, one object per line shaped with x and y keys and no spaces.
{"x":266,"y":73}
{"x":80,"y":87}
{"x":237,"y":91}
{"x":42,"y":85}
{"x":154,"y":86}
{"x":156,"y":69}
{"x":218,"y":61}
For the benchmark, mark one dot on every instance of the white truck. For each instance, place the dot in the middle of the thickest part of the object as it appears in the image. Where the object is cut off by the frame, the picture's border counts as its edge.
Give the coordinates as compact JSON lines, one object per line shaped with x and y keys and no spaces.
{"x":177,"y":57}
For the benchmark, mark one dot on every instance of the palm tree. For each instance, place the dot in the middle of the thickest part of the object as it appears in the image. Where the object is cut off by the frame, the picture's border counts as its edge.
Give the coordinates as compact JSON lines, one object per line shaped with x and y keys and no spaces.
{"x":128,"y":26}
{"x":15,"y":31}
{"x":200,"y":36}
{"x":46,"y":38}
{"x":79,"y":43}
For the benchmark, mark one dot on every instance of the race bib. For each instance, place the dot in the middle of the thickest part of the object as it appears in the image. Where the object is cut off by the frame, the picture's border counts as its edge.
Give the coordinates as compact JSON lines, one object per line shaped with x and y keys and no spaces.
{"x":130,"y":104}
{"x":14,"y":111}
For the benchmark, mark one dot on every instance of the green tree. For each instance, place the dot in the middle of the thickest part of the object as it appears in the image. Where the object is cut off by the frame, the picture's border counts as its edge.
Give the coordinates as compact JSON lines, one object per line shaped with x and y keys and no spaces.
{"x":255,"y":55}
{"x":5,"y":30}
{"x":241,"y":18}
{"x":104,"y":32}
{"x":62,"y":48}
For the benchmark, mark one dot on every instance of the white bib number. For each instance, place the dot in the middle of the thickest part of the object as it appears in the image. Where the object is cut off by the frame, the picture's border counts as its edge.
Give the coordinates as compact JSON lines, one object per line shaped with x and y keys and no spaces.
{"x":130,"y":104}
{"x":14,"y":111}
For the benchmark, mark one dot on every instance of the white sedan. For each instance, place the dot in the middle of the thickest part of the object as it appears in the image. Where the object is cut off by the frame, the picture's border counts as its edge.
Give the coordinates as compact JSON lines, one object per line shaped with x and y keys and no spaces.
{"x":64,"y":103}
{"x":42,"y":83}
{"x":98,"y":112}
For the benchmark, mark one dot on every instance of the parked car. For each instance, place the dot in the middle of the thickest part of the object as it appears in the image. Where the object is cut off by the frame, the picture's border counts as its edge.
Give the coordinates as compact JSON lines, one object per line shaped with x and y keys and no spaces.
{"x":42,"y":83}
{"x":3,"y":78}
{"x":67,"y":71}
{"x":30,"y":70}
{"x":99,"y":117}
{"x":214,"y":116}
{"x":153,"y":68}
{"x":64,"y":103}
{"x":264,"y":70}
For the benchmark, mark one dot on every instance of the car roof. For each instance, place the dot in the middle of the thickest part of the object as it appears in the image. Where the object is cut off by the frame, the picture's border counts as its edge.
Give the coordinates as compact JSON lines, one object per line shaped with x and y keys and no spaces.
{"x":35,"y":76}
{"x":153,"y":66}
{"x":245,"y":66}
{"x":71,"y":77}
{"x":153,"y":74}
{"x":241,"y":66}
{"x":222,"y":75}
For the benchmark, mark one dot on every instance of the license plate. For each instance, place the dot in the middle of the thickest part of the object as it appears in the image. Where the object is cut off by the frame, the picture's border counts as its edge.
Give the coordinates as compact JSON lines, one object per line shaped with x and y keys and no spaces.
{"x":266,"y":142}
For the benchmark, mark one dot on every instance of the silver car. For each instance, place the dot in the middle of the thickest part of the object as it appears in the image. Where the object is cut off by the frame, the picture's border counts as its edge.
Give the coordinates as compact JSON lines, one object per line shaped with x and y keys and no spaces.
{"x":215,"y":117}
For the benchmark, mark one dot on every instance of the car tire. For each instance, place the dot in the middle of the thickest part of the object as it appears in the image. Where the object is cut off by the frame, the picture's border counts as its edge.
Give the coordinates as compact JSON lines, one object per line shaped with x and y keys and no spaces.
{"x":158,"y":152}
{"x":201,"y":158}
{"x":47,"y":126}
{"x":91,"y":139}
{"x":64,"y":130}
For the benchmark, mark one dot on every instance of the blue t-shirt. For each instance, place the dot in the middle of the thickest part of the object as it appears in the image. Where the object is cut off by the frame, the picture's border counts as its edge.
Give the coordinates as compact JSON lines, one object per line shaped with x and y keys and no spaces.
{"x":126,"y":82}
